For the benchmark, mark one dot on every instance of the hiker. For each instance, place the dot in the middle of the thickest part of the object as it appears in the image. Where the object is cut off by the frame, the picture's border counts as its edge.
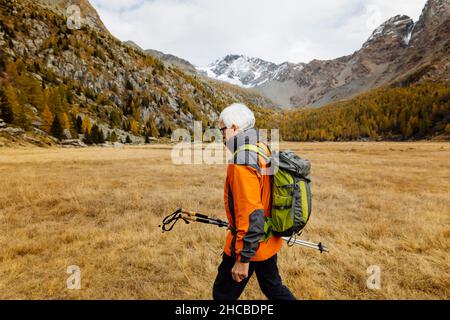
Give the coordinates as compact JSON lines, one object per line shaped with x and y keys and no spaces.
{"x":247,"y":201}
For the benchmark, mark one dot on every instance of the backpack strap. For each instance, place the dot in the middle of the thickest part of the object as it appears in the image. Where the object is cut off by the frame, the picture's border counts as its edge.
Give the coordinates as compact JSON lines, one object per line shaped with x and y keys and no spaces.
{"x":253,"y":148}
{"x":259,"y":150}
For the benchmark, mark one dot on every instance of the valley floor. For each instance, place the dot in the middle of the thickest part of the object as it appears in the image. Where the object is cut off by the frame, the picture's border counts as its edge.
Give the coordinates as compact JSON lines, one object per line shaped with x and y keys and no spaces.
{"x":383,"y":204}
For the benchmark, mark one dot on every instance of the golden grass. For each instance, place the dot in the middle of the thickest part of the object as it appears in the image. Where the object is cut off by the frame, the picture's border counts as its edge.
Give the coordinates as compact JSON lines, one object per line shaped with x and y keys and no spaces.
{"x":384,"y":204}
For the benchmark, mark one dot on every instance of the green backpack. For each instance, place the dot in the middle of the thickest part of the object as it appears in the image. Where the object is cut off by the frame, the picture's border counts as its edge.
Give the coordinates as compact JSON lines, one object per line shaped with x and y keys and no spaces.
{"x":291,"y":192}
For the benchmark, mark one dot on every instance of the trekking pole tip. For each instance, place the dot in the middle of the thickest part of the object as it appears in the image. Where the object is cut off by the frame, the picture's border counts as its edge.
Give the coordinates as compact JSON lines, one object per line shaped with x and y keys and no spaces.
{"x":321,"y":247}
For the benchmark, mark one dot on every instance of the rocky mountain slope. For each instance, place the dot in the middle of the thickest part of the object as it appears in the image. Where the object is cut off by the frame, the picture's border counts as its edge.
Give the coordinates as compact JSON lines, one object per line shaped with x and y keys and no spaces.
{"x":173,"y":60}
{"x":166,"y":58}
{"x":52,"y":77}
{"x":88,"y":14}
{"x":398,"y":52}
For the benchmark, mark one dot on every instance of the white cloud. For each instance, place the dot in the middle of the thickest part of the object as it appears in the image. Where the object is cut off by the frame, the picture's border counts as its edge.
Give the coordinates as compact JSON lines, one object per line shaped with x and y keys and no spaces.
{"x":284,"y":30}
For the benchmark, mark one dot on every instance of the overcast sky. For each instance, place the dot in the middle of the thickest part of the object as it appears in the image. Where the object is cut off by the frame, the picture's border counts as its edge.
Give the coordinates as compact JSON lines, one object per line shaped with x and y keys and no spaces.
{"x":202,"y":31}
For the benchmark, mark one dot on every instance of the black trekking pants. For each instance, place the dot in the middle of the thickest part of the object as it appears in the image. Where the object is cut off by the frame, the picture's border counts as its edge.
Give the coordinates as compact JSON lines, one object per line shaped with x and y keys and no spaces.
{"x":225,"y":288}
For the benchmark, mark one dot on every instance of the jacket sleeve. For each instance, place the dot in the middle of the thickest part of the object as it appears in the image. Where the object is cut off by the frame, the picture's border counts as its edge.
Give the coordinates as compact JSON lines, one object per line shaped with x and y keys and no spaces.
{"x":249,"y":211}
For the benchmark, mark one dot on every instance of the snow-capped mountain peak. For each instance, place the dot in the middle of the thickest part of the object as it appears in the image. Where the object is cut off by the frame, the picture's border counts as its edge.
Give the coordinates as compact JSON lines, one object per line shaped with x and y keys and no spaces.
{"x":399,"y":27}
{"x":242,"y":70}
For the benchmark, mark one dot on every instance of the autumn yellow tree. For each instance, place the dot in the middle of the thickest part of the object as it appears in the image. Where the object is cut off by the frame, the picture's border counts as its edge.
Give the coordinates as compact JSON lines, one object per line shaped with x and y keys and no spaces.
{"x":65,"y":121}
{"x":136,"y":113}
{"x":134,"y":127}
{"x":151,"y":127}
{"x":86,"y":125}
{"x":47,"y":119}
{"x":19,"y":111}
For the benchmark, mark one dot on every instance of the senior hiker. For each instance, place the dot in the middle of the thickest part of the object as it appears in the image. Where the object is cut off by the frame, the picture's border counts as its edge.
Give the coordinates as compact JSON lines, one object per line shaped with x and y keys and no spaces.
{"x":247,"y":202}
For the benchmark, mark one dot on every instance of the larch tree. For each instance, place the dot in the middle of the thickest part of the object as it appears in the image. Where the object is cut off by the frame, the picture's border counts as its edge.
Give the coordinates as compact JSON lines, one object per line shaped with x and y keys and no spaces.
{"x":65,"y":121}
{"x":20,"y":116}
{"x":86,"y":125}
{"x":47,"y":119}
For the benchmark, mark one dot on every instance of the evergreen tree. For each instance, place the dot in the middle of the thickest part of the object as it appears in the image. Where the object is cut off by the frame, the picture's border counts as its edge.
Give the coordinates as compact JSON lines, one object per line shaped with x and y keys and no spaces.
{"x":162,"y":131}
{"x":101,"y":137}
{"x":57,"y":130}
{"x":87,"y":138}
{"x":2,"y":61}
{"x":79,"y":125}
{"x":113,"y":137}
{"x":5,"y":110}
{"x":94,"y":134}
{"x":128,"y":140}
{"x":115,"y":118}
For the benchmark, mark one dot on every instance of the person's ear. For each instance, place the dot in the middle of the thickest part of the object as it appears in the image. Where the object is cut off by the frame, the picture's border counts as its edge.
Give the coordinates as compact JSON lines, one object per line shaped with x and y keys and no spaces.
{"x":235,"y":127}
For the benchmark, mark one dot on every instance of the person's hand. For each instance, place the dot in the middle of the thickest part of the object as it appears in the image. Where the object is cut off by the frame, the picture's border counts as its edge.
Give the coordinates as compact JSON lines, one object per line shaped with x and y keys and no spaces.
{"x":239,"y":271}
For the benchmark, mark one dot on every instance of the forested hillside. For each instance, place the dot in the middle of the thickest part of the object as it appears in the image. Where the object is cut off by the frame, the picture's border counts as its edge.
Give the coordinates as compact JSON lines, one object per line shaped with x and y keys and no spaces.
{"x":416,"y":112}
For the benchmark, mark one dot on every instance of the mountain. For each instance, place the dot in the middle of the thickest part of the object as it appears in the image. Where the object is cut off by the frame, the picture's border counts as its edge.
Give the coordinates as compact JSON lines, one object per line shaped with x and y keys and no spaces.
{"x":241,"y":70}
{"x":167,"y":58}
{"x":85,"y":82}
{"x":58,"y":83}
{"x":87,"y":12}
{"x":173,"y":60}
{"x":256,"y":73}
{"x":399,"y":52}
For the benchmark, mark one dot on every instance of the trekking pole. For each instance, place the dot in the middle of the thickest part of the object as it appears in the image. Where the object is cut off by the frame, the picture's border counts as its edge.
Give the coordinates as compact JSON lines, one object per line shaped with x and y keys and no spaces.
{"x":318,"y":246}
{"x":169,"y":222}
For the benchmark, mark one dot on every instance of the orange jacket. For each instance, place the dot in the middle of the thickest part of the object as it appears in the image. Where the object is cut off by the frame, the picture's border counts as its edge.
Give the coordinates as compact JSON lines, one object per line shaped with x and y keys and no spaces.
{"x":247,"y":201}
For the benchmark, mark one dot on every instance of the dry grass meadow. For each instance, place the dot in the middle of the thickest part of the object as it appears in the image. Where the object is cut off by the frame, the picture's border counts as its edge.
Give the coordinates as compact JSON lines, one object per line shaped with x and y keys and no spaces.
{"x":385,"y":204}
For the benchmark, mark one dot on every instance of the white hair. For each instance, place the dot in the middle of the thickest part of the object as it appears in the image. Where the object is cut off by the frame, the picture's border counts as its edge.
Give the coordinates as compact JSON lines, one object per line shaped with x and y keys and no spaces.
{"x":238,"y":114}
